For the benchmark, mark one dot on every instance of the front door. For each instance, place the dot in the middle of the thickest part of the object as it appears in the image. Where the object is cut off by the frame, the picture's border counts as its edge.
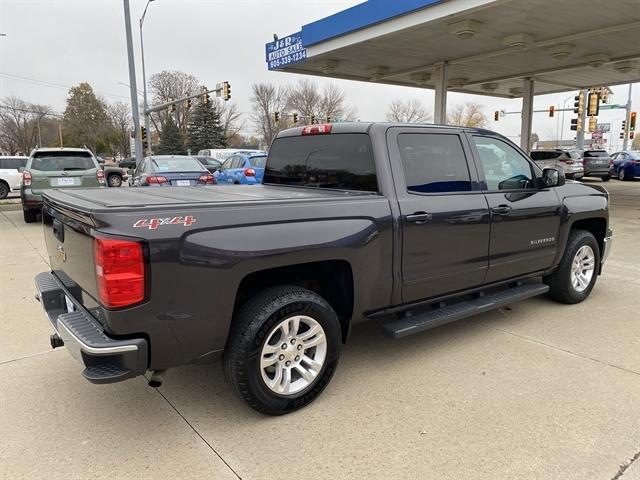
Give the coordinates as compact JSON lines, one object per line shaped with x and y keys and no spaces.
{"x":445,"y":218}
{"x":525,"y":219}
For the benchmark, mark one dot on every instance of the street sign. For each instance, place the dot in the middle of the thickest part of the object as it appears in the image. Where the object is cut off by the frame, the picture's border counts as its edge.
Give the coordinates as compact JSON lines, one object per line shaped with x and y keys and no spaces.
{"x":611,"y":106}
{"x":285,"y":51}
{"x":604,"y":127}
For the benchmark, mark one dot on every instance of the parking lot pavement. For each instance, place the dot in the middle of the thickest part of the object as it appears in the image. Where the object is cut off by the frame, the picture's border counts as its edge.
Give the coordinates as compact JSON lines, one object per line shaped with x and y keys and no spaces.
{"x":536,"y":390}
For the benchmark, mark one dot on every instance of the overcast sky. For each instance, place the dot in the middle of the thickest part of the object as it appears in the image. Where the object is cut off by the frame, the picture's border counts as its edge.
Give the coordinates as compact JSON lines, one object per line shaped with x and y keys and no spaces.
{"x":54,"y":44}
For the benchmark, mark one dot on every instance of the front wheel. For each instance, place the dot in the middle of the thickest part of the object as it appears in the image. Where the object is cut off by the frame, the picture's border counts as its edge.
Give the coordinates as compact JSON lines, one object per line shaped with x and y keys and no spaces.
{"x":576,"y":275}
{"x":283,"y":349}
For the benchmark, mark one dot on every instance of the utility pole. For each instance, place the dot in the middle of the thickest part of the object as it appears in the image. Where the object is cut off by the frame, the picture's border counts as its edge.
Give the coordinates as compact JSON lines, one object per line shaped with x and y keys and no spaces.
{"x":583,"y":120}
{"x":132,"y":82}
{"x":144,"y":84}
{"x":627,"y":116}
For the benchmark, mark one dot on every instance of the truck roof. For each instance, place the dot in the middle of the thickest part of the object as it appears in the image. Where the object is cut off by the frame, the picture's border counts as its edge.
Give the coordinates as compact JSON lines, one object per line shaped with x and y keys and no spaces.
{"x":59,"y":149}
{"x":364,"y":127}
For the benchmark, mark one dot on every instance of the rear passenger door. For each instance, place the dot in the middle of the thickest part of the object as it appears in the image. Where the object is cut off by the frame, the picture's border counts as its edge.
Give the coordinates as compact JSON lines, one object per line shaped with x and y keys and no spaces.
{"x":525,"y":219}
{"x":444,"y":216}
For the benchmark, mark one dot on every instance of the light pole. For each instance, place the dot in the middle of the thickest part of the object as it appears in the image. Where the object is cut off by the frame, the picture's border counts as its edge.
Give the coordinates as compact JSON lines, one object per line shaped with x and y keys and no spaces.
{"x":132,"y":82}
{"x":144,"y":83}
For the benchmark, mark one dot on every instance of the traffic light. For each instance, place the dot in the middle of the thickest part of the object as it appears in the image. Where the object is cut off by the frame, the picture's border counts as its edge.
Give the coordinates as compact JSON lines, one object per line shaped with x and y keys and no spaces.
{"x":631,"y":134}
{"x":632,"y":121}
{"x":578,"y":103}
{"x":496,"y":116}
{"x":313,"y":119}
{"x":576,"y":124}
{"x":593,"y":104}
{"x":143,"y":133}
{"x":593,"y":124}
{"x":622,"y":135}
{"x":328,"y":119}
{"x":188,"y":103}
{"x":295,"y":118}
{"x":624,"y":125}
{"x":173,"y":107}
{"x":552,"y":110}
{"x":276,"y":116}
{"x":207,"y":98}
{"x":226,"y":91}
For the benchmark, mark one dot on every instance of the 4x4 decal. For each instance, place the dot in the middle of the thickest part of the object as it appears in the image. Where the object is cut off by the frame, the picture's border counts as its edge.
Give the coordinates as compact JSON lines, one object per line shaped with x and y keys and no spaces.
{"x":154,"y":223}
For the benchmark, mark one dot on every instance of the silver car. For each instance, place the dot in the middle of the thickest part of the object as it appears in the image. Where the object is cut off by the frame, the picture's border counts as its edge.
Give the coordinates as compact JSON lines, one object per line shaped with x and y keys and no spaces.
{"x":570,"y":161}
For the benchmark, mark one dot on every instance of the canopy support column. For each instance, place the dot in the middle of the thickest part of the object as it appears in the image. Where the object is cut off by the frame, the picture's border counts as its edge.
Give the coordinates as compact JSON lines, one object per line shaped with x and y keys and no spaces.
{"x":527,"y":114}
{"x":440,"y":104}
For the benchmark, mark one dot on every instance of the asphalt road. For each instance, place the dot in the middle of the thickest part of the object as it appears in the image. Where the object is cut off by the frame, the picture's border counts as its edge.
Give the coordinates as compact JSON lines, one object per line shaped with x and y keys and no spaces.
{"x":538,"y":390}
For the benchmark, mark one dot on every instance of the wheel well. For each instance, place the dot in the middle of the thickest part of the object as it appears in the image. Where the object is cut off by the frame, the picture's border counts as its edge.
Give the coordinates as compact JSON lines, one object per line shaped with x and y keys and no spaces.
{"x":331,"y":279}
{"x":4,"y":182}
{"x":597,"y":226}
{"x":117,"y":174}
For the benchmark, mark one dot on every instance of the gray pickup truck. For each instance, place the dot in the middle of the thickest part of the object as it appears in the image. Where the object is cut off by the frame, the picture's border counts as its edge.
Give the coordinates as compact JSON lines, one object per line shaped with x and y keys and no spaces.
{"x":413,"y":225}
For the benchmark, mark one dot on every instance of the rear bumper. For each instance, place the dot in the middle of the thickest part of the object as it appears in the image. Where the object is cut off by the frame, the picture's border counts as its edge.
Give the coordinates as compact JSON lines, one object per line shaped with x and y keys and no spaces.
{"x":106,"y":360}
{"x":597,"y":172}
{"x":30,"y":200}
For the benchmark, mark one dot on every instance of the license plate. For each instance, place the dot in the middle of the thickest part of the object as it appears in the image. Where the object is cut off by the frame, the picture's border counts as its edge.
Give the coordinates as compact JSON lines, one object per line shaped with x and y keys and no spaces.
{"x":70,"y":306}
{"x":65,"y":181}
{"x":183,"y":183}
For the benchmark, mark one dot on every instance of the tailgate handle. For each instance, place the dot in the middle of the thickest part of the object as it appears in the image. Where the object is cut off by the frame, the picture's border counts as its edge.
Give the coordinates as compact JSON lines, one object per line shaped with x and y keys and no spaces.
{"x":58,"y":230}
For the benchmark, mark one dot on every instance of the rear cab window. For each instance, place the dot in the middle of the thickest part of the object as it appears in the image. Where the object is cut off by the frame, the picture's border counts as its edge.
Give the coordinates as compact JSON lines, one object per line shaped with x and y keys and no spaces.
{"x":62,"y":161}
{"x":342,"y":161}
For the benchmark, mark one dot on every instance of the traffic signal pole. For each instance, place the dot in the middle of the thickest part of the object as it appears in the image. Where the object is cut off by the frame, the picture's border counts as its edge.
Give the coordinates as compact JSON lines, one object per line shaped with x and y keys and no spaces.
{"x":132,"y":82}
{"x":627,"y":116}
{"x":583,"y":121}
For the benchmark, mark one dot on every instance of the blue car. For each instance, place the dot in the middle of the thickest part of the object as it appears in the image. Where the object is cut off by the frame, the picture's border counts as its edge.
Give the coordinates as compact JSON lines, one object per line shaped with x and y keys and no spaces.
{"x":626,"y":165}
{"x":171,"y":170}
{"x":242,"y":169}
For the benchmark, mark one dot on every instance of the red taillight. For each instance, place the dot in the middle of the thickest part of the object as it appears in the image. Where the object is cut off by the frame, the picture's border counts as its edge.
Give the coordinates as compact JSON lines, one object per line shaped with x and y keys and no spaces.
{"x":156,"y":180}
{"x":568,"y":162}
{"x":249,"y":172}
{"x":207,"y":179}
{"x":26,"y":178}
{"x":321,"y":129}
{"x":119,"y":271}
{"x":100,"y":176}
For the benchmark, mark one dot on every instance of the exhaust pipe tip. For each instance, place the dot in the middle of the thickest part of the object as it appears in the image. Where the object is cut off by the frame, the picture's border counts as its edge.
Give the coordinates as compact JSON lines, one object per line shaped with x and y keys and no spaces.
{"x":157,"y":376}
{"x":56,"y":341}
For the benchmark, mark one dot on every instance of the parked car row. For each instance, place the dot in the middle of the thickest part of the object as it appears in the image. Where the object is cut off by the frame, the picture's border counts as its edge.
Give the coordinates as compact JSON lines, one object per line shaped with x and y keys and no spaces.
{"x":590,"y":163}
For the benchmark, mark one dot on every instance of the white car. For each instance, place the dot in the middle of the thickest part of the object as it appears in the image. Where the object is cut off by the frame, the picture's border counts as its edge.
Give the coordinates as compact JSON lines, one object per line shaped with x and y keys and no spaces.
{"x":11,"y":174}
{"x":221,"y":154}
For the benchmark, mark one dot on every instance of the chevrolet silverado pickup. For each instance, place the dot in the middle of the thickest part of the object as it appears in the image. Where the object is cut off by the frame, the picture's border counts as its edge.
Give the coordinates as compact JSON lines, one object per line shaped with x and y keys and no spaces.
{"x":414,"y":226}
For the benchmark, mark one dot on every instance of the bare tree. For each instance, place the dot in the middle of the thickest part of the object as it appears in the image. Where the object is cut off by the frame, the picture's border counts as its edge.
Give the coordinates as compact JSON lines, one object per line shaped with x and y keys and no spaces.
{"x":232,"y":120}
{"x":171,"y":85}
{"x":469,"y":114}
{"x":23,"y":125}
{"x":266,"y":100}
{"x":120,"y":117}
{"x":409,"y":111}
{"x":309,"y":101}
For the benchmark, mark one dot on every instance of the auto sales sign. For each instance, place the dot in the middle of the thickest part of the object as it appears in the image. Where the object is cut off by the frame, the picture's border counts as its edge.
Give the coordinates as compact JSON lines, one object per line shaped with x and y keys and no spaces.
{"x":285,"y":51}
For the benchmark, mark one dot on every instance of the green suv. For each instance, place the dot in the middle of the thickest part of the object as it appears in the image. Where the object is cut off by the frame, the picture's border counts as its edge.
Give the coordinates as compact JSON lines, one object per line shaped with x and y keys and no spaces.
{"x":56,"y":168}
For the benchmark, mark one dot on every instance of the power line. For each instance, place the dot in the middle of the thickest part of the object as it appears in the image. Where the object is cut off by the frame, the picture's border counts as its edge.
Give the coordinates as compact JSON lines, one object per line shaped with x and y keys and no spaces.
{"x":52,"y":84}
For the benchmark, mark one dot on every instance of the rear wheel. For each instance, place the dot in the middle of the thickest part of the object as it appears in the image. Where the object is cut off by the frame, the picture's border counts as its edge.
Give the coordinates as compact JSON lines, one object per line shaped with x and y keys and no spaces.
{"x":30,"y":215}
{"x":576,"y":275}
{"x":621,"y":174}
{"x":114,"y":180}
{"x":4,"y":190}
{"x":283,"y":349}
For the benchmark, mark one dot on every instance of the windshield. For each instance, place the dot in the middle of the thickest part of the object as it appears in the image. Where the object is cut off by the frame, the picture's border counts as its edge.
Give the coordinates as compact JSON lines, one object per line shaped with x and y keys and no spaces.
{"x":596,"y":153}
{"x":258,"y":162}
{"x":62,"y":161}
{"x":176,"y":164}
{"x":341,"y":161}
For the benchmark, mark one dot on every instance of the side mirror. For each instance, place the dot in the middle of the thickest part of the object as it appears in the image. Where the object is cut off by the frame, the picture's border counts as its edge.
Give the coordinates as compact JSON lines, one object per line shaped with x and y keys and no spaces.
{"x":552,"y":177}
{"x":20,"y":169}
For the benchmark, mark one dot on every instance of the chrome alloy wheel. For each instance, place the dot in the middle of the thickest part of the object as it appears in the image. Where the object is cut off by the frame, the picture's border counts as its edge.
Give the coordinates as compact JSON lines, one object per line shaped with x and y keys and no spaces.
{"x":582,"y":268}
{"x":293,"y":355}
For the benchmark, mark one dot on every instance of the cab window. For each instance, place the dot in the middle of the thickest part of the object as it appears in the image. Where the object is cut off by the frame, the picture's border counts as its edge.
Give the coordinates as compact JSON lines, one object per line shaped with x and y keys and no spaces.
{"x":503,"y":166}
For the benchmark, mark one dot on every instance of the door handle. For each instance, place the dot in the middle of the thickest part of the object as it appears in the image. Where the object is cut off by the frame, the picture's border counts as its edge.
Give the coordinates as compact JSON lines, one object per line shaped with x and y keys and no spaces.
{"x":419,"y":217}
{"x":501,"y":210}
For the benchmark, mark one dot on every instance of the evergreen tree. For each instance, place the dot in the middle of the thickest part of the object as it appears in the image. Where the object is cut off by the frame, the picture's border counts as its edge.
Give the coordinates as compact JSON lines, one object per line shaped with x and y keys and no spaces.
{"x":170,"y":140}
{"x":205,"y":129}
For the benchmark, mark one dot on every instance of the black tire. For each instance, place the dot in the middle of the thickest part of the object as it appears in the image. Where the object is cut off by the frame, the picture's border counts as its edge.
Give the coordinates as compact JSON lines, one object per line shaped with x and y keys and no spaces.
{"x":4,"y":190}
{"x":30,"y":215}
{"x":606,"y":179}
{"x":560,"y":286}
{"x":250,"y":331}
{"x":621,"y":174}
{"x":114,"y":180}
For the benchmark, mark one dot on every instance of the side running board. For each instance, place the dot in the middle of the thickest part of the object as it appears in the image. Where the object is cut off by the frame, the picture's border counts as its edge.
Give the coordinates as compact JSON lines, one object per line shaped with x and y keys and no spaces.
{"x":408,"y":325}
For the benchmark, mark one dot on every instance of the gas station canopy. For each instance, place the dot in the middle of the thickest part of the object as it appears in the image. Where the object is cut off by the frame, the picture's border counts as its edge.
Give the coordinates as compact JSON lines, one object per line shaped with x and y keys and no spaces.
{"x":488,"y":46}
